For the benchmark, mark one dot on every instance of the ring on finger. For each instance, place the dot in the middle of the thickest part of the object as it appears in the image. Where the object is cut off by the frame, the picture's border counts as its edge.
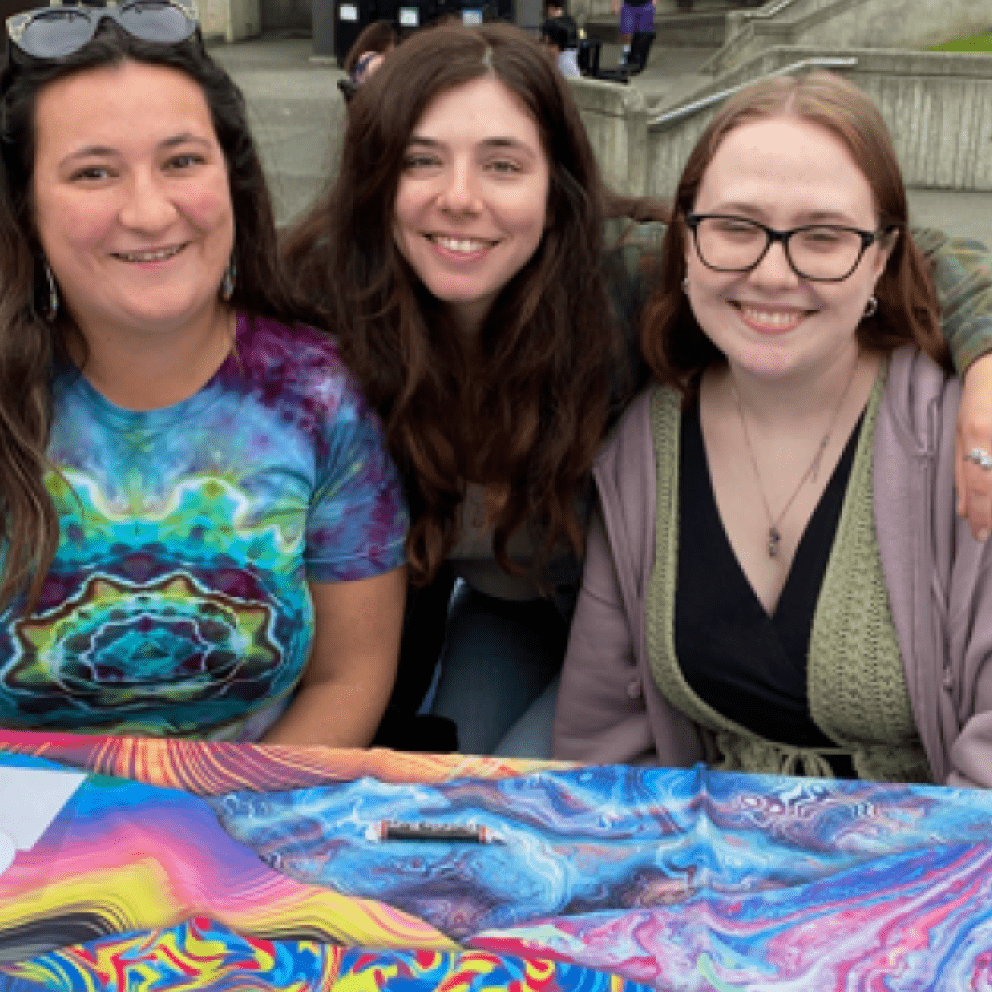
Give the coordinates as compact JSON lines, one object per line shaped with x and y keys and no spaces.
{"x":981,"y":458}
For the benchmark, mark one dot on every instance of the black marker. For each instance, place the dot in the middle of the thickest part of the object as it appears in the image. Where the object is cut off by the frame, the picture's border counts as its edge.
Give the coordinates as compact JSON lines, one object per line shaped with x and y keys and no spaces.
{"x":452,"y":833}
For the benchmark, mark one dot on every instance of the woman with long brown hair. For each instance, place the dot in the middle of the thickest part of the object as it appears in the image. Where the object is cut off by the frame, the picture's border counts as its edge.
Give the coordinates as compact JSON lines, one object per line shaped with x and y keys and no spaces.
{"x":461,"y":257}
{"x":457,"y":257}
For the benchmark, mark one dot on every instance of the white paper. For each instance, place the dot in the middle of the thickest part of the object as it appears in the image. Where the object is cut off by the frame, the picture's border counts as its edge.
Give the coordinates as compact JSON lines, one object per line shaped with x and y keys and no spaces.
{"x":8,"y":849}
{"x":30,"y":799}
{"x":409,"y":17}
{"x":348,"y":12}
{"x":471,"y":16}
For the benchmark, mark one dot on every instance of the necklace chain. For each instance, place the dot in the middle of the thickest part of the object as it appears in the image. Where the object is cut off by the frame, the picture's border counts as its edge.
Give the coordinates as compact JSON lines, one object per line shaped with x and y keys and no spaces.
{"x":774,"y":534}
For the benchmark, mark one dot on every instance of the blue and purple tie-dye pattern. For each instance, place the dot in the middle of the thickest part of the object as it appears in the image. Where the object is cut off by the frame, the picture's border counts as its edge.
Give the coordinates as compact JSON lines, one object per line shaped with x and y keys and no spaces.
{"x":178,"y":602}
{"x":678,"y":879}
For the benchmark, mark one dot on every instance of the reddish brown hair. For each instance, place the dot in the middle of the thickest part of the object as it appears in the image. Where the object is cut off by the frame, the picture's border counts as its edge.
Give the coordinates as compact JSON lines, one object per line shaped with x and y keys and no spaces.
{"x":527,"y":416}
{"x":675,"y":346}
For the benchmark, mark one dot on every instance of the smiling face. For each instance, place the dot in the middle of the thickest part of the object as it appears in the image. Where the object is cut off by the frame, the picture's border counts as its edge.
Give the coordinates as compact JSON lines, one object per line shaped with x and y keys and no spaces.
{"x":784,"y":172}
{"x":131,"y":200}
{"x":472,"y":199}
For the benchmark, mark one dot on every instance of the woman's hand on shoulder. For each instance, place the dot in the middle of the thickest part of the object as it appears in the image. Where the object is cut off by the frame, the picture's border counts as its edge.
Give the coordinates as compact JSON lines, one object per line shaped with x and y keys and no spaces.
{"x":974,"y":434}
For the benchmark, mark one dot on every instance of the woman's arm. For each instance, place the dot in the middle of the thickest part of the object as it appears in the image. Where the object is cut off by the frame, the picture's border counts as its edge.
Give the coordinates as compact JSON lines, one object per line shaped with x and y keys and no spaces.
{"x":355,"y":527}
{"x":963,"y":277}
{"x":347,"y":682}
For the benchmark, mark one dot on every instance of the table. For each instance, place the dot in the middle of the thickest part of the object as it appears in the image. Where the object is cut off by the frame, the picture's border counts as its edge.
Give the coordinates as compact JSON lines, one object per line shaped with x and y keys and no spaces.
{"x":190,"y":865}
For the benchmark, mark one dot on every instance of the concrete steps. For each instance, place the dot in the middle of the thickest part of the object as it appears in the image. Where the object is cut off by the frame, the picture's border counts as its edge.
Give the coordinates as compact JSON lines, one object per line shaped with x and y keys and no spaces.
{"x":876,"y":24}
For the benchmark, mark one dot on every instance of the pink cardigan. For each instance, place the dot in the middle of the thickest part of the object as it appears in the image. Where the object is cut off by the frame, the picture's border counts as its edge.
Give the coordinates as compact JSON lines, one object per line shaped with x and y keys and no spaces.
{"x":939,"y":581}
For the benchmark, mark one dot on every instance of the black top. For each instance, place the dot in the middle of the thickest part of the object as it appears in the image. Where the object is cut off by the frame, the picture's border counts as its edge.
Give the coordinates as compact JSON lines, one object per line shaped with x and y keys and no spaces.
{"x":747,"y":665}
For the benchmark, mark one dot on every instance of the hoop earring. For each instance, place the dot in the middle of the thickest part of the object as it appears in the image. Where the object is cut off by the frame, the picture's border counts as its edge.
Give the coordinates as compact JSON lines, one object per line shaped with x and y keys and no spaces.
{"x":230,"y":279}
{"x":870,"y":307}
{"x":53,"y":295}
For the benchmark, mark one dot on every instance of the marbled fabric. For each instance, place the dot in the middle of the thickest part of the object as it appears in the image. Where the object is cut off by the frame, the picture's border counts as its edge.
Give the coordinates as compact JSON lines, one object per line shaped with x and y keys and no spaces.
{"x":603,"y":879}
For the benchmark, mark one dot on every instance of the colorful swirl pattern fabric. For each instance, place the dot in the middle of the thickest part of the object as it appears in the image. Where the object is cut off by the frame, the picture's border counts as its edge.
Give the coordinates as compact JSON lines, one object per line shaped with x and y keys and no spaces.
{"x":199,"y":954}
{"x":214,"y":768}
{"x":607,"y":879}
{"x":124,"y":856}
{"x":204,"y":955}
{"x":678,"y":879}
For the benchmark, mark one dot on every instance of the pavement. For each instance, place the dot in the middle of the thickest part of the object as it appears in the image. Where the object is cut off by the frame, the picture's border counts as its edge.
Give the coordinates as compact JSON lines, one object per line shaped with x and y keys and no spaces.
{"x":295,"y":110}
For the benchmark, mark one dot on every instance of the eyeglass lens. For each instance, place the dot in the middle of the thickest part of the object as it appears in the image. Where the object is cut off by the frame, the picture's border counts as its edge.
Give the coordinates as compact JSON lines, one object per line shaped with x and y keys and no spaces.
{"x":56,"y":32}
{"x":150,"y":21}
{"x":736,"y":245}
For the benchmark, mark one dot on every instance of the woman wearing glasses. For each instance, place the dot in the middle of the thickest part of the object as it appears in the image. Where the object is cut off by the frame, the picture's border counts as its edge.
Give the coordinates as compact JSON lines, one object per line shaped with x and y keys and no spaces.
{"x":494,"y":419}
{"x":777,"y":580}
{"x":203,"y":534}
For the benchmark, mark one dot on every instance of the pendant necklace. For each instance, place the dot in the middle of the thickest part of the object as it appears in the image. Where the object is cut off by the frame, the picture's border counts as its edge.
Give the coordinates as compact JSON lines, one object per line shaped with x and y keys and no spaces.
{"x":774,"y":534}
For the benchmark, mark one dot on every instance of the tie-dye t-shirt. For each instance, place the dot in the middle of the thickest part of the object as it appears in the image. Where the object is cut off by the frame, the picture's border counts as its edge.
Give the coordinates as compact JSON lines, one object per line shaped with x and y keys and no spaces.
{"x":178,"y":601}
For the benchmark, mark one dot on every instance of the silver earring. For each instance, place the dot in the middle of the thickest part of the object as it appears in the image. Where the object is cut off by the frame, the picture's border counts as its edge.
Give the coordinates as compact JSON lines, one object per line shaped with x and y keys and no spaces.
{"x":230,"y":279}
{"x":685,"y":285}
{"x":53,"y":295}
{"x":871,"y":306}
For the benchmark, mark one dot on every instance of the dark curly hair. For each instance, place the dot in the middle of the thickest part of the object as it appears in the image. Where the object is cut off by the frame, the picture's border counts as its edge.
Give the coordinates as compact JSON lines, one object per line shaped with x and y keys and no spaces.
{"x":526,"y":415}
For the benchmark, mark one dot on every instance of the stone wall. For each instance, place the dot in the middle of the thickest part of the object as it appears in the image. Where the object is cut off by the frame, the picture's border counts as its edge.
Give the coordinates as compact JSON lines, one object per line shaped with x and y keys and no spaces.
{"x":229,"y":20}
{"x":616,"y":119}
{"x":937,"y":105}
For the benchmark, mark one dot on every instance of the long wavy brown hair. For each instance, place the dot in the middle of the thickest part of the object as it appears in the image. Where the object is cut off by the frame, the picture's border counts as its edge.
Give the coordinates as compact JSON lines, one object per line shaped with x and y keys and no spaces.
{"x":30,"y":345}
{"x":526,"y":413}
{"x":673,"y":343}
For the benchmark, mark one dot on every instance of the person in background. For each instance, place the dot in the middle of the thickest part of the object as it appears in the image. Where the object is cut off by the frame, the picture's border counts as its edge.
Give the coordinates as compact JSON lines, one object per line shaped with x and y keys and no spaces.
{"x":366,"y":53}
{"x":556,"y":9}
{"x":777,"y":580}
{"x":634,"y":17}
{"x":202,"y":531}
{"x":365,"y":66}
{"x":562,"y":40}
{"x":495,"y":330}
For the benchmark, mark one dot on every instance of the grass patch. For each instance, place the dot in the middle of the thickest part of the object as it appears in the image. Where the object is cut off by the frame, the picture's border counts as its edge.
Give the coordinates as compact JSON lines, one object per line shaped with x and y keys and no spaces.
{"x":976,"y":43}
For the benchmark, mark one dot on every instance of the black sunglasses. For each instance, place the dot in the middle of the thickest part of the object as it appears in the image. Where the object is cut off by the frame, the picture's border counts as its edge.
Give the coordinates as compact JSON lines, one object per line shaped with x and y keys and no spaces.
{"x":53,"y":32}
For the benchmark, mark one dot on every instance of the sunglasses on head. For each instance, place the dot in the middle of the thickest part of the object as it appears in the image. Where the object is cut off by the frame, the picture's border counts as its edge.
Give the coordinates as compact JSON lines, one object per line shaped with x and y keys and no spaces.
{"x":53,"y":32}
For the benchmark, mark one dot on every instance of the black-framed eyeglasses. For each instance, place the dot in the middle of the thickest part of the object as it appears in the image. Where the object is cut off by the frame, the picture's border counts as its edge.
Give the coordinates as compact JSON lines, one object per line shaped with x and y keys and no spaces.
{"x":818,"y":252}
{"x":54,"y":32}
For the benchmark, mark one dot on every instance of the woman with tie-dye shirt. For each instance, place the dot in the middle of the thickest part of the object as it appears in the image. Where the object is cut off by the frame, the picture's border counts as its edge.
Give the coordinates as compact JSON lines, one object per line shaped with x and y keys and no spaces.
{"x":203,"y":535}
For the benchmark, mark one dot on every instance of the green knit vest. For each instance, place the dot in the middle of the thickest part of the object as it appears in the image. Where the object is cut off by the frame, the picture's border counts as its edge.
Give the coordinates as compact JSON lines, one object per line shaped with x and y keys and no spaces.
{"x":856,"y":685}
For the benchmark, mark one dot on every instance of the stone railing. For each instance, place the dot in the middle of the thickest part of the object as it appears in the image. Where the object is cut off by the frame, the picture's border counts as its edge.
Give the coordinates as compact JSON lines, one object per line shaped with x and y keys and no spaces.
{"x":616,"y":119}
{"x":912,"y":24}
{"x":938,"y":106}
